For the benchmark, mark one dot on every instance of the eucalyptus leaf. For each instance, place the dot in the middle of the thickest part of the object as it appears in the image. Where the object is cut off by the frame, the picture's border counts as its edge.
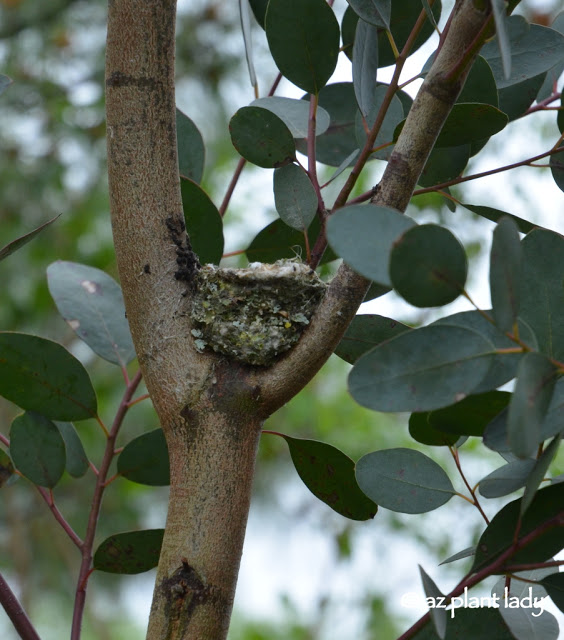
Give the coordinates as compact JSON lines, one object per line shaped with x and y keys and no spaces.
{"x":421,"y":370}
{"x":375,"y":12}
{"x":130,"y":552}
{"x":303,"y":38}
{"x":294,"y":196}
{"x":506,"y":479}
{"x":76,"y":459}
{"x":538,"y":472}
{"x":438,"y":614}
{"x":505,"y":274}
{"x":329,"y":474}
{"x":365,"y":65}
{"x":37,"y":449}
{"x":295,"y":114}
{"x":91,"y":302}
{"x":403,"y":480}
{"x":191,"y":150}
{"x":42,"y":376}
{"x":145,"y":460}
{"x":16,"y":244}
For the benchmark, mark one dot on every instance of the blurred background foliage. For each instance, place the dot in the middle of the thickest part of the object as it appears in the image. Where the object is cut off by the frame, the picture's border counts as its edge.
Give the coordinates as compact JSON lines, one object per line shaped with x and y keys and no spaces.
{"x":52,"y":161}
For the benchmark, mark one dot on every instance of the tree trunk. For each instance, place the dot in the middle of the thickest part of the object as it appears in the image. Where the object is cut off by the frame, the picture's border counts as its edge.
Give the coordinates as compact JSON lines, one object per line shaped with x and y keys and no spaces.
{"x":211,"y":409}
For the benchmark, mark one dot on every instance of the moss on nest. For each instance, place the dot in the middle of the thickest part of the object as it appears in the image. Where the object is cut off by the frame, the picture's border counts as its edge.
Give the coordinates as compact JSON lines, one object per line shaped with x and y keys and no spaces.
{"x":254,"y":314}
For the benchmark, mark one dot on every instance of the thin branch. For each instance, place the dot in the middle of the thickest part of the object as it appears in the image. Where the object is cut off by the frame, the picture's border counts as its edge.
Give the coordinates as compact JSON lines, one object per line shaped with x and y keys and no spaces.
{"x":16,"y":613}
{"x":476,"y":502}
{"x":491,"y":172}
{"x":48,"y":497}
{"x":531,"y":566}
{"x":86,"y":565}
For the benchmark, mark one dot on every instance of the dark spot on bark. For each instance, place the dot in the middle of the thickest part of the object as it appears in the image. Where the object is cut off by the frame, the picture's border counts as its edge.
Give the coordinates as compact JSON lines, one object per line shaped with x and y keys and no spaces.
{"x":183,"y":592}
{"x":187,"y":260}
{"x":147,"y":268}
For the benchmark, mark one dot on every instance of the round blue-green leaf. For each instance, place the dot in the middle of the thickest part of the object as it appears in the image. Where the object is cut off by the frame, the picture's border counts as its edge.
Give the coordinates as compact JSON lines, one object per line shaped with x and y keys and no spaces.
{"x":557,"y":169}
{"x":422,"y":431}
{"x":130,"y":552}
{"x":421,"y":370}
{"x":91,"y":302}
{"x":365,"y":332}
{"x":534,"y":50}
{"x":191,"y":150}
{"x":339,"y":141}
{"x":403,"y":480}
{"x":303,"y":37}
{"x":505,"y":274}
{"x":37,"y":449}
{"x":145,"y":460}
{"x":203,"y":223}
{"x":329,"y":474}
{"x":294,"y":196}
{"x":506,"y":479}
{"x":554,"y":585}
{"x":376,"y":12}
{"x":365,"y":65}
{"x":529,"y":404}
{"x":479,"y":85}
{"x":428,"y":266}
{"x":261,"y":137}
{"x":76,"y":459}
{"x":40,"y":375}
{"x":470,"y":122}
{"x":495,"y":215}
{"x":499,"y":535}
{"x":295,"y":114}
{"x":363,"y":235}
{"x":444,"y":164}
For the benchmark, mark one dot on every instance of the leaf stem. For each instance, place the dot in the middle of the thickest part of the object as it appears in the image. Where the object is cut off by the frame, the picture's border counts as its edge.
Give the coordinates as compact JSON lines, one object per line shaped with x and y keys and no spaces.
{"x":476,"y":502}
{"x":86,"y":564}
{"x":16,"y":613}
{"x":49,"y":500}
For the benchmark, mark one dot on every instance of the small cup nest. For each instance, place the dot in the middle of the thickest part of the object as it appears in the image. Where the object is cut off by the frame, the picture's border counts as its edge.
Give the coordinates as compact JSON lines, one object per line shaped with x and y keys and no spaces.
{"x":256,"y":313}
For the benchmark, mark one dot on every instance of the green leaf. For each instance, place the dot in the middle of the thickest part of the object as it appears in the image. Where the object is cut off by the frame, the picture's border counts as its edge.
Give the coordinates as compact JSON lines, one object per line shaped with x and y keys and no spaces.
{"x":505,"y":274}
{"x":515,"y":99}
{"x":394,"y":115}
{"x":546,"y":511}
{"x":470,"y":624}
{"x":479,"y":85}
{"x":303,"y":37}
{"x":403,"y":480}
{"x":428,"y":266}
{"x":421,"y":431}
{"x":203,"y":223}
{"x":365,"y":332}
{"x":538,"y":472}
{"x":259,"y":9}
{"x":76,"y":460}
{"x":294,"y":196}
{"x":40,"y":375}
{"x":495,"y":215}
{"x":542,"y":302}
{"x":16,"y":244}
{"x":554,"y":585}
{"x":363,"y":235}
{"x":294,"y":114}
{"x":429,"y":13}
{"x":405,"y":14}
{"x":554,"y":419}
{"x":191,"y":150}
{"x":521,"y":610}
{"x":534,"y":50}
{"x":7,"y":474}
{"x":500,"y":20}
{"x":37,"y":449}
{"x":375,"y":12}
{"x":536,"y":376}
{"x":145,"y":460}
{"x":444,"y":164}
{"x":470,"y":416}
{"x":261,"y":137}
{"x":329,"y":474}
{"x":556,"y":71}
{"x":557,"y":170}
{"x":130,"y":552}
{"x":339,"y":141}
{"x":471,"y":122}
{"x":506,"y":479}
{"x":438,"y":614}
{"x":421,"y":370}
{"x":277,"y":240}
{"x":465,"y":553}
{"x":504,"y":365}
{"x":246,"y":28}
{"x":365,"y":65}
{"x":91,"y":303}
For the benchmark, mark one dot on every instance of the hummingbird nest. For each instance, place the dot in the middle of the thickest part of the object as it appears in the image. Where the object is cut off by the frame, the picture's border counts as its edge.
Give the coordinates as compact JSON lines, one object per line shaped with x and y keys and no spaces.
{"x":256,"y":313}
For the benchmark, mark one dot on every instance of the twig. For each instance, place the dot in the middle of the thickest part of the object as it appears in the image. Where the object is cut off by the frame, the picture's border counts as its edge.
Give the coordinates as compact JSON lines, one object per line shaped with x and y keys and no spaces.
{"x":476,"y":502}
{"x":15,"y":612}
{"x":86,"y":564}
{"x":48,"y":497}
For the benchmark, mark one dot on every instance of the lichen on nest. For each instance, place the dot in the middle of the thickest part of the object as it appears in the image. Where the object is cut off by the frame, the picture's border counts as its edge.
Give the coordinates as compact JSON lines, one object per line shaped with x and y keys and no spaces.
{"x":256,"y":313}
